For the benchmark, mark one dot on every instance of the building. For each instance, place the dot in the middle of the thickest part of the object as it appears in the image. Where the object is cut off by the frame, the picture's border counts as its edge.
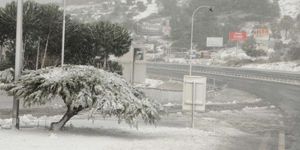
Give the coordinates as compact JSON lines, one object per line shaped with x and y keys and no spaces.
{"x":154,"y":27}
{"x":134,"y":65}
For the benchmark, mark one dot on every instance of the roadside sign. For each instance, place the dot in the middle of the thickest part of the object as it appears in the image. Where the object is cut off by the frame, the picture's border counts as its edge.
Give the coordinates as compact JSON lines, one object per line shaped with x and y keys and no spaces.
{"x":238,"y":36}
{"x":214,"y":42}
{"x":261,"y":34}
{"x":194,"y":93}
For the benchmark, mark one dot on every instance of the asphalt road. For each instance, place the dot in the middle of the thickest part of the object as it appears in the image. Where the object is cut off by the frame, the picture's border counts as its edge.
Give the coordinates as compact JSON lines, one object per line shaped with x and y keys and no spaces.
{"x":285,"y":96}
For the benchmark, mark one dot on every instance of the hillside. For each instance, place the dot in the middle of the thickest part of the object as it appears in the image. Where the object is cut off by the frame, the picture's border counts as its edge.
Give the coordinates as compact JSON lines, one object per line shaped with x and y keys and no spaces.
{"x":289,"y":7}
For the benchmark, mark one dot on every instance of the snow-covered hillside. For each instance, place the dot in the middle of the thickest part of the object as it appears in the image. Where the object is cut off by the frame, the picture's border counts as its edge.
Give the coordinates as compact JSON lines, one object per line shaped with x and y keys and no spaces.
{"x":289,"y":7}
{"x":151,"y":9}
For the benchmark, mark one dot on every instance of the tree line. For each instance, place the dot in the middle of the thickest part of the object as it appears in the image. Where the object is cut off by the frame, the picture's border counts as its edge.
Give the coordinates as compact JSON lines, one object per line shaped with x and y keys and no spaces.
{"x":86,"y":43}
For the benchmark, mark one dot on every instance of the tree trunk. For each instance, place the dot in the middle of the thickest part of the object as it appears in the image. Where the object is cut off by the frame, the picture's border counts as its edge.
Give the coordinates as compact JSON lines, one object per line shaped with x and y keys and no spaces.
{"x":105,"y":62}
{"x":1,"y":51}
{"x":37,"y":56}
{"x":56,"y":126}
{"x":45,"y":52}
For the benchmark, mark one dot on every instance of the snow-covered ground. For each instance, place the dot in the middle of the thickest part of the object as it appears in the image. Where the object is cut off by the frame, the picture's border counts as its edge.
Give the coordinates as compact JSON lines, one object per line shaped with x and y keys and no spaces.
{"x":150,"y":83}
{"x":176,"y":60}
{"x":279,"y":66}
{"x":214,"y":130}
{"x":108,"y":135}
{"x":220,"y":57}
{"x":223,"y":57}
{"x":289,"y":7}
{"x":151,"y":9}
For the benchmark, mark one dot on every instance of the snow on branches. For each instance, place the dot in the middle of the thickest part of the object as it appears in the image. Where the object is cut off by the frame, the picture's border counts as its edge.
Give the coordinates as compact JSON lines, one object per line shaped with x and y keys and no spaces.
{"x":7,"y":76}
{"x":85,"y":88}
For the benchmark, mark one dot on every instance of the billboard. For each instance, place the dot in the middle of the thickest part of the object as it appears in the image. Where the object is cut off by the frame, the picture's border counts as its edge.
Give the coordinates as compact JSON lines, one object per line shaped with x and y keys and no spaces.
{"x":261,"y":34}
{"x":238,"y":36}
{"x":214,"y":42}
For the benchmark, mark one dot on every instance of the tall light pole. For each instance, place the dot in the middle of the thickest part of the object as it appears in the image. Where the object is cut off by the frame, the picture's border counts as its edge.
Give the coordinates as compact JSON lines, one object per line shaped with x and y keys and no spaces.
{"x":63,"y":35}
{"x":18,"y":61}
{"x":192,"y":31}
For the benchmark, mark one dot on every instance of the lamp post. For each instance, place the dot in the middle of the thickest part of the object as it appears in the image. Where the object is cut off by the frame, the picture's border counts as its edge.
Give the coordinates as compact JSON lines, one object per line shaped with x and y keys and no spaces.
{"x":63,"y":35}
{"x":18,"y":61}
{"x":192,"y":31}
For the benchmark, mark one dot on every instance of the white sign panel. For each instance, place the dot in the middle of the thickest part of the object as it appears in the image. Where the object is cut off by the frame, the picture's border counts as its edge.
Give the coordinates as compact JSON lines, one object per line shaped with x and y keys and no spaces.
{"x":194,"y":93}
{"x":214,"y":42}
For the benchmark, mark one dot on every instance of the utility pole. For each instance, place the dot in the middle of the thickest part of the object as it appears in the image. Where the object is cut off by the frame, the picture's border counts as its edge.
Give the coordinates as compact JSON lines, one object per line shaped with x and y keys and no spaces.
{"x":133,"y":66}
{"x":18,"y":62}
{"x":63,"y":35}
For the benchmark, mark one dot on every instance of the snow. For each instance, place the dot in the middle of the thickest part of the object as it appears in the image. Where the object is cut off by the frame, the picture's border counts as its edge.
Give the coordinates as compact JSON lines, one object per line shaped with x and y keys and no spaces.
{"x":289,"y":7}
{"x":29,"y":121}
{"x":176,"y":60}
{"x":151,"y":83}
{"x":280,"y":66}
{"x":231,"y":53}
{"x":169,"y":105}
{"x":106,"y":134}
{"x":7,"y":75}
{"x":151,"y":9}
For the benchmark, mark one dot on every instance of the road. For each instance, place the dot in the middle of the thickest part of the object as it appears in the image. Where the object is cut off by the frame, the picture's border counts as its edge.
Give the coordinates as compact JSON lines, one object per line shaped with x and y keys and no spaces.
{"x":284,"y":95}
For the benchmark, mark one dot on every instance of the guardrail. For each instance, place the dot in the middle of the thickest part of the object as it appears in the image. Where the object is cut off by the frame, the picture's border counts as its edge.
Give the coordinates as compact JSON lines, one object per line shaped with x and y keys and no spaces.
{"x":255,"y":74}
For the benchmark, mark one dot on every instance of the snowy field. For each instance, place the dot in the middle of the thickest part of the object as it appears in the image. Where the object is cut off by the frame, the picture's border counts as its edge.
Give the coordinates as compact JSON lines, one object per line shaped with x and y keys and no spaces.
{"x":107,"y":135}
{"x":214,"y":130}
{"x":218,"y":129}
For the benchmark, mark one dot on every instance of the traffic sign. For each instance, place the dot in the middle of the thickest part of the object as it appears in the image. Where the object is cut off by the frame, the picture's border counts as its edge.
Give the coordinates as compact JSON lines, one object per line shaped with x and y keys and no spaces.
{"x":238,"y":36}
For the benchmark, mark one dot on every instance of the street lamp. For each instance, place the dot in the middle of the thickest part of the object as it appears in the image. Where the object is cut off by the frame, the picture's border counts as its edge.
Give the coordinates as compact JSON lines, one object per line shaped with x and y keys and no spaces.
{"x":192,"y":31}
{"x":18,"y":61}
{"x":63,"y":35}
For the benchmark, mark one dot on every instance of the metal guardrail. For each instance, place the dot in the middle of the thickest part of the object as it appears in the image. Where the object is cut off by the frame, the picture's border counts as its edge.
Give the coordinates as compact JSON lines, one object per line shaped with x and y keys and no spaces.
{"x":255,"y":74}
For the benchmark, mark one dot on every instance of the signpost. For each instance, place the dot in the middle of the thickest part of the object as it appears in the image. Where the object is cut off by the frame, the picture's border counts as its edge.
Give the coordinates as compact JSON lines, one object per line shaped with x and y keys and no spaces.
{"x":237,"y":37}
{"x":194,"y":95}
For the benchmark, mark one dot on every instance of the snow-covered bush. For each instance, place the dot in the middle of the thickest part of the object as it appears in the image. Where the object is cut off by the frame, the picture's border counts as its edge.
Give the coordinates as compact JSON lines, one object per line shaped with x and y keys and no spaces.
{"x":7,"y":76}
{"x":84,"y":88}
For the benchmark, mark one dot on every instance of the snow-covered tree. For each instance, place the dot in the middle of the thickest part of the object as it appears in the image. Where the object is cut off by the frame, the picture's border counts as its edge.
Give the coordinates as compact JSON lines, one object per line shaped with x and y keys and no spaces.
{"x":7,"y":76}
{"x":84,"y":88}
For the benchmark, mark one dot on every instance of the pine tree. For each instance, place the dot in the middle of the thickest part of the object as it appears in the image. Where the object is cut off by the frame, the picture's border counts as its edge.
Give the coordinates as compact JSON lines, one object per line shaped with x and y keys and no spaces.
{"x":84,"y":88}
